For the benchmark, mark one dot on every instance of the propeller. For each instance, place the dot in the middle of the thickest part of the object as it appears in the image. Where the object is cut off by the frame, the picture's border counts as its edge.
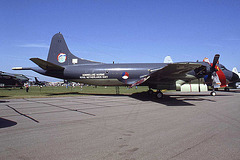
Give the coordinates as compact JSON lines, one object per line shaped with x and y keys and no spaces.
{"x":209,"y":73}
{"x":212,"y":76}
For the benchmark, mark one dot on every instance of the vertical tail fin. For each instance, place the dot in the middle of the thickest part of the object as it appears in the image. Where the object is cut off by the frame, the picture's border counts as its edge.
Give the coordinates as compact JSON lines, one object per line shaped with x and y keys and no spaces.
{"x":235,"y":70}
{"x":36,"y":80}
{"x":59,"y":53}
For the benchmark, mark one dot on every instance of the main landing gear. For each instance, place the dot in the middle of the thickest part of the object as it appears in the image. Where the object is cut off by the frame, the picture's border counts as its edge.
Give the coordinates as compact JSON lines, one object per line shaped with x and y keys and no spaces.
{"x":213,"y":93}
{"x":150,"y":92}
{"x":226,"y":89}
{"x":158,"y":94}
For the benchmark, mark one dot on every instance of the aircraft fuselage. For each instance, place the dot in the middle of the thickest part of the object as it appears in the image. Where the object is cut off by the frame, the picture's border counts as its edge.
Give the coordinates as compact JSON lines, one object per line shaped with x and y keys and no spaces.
{"x":109,"y":74}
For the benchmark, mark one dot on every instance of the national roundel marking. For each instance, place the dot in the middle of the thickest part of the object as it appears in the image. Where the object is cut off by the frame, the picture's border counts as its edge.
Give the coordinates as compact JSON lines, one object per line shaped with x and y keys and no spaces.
{"x":61,"y":57}
{"x":125,"y":75}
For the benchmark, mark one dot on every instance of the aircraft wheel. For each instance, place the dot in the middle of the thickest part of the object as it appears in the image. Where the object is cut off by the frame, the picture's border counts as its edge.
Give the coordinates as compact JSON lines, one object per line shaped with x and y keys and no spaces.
{"x":150,"y":92}
{"x":226,"y":89}
{"x":159,"y":95}
{"x":213,"y":93}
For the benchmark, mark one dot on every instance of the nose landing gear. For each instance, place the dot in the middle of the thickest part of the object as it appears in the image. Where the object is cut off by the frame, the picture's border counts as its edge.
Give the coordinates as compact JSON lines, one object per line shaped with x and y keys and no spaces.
{"x":213,"y":93}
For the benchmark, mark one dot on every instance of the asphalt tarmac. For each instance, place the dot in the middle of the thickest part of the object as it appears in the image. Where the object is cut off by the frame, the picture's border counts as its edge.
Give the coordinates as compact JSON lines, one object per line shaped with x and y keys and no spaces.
{"x":182,"y":126}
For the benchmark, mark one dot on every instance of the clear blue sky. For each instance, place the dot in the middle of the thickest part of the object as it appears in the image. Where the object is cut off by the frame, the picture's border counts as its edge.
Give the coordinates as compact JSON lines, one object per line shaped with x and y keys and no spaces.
{"x":124,"y":31}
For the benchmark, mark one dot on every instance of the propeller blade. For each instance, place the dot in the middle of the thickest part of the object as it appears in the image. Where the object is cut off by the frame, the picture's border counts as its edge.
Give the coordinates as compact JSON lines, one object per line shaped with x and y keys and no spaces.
{"x":214,"y":77}
{"x":215,"y":60}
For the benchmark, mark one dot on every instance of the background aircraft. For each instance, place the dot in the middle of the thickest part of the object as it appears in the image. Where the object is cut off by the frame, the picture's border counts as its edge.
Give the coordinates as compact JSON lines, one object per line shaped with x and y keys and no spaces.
{"x":236,"y":71}
{"x":12,"y":80}
{"x":39,"y":83}
{"x":61,"y":63}
{"x":235,"y":84}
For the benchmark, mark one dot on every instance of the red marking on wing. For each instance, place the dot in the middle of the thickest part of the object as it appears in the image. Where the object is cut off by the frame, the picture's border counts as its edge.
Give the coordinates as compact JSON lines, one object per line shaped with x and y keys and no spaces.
{"x":139,"y":82}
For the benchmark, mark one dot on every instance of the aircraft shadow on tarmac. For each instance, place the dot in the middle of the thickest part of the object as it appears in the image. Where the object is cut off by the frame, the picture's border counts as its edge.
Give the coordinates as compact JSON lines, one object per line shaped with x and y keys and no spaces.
{"x":3,"y":97}
{"x":231,"y":91}
{"x":3,"y":101}
{"x":171,"y":100}
{"x":6,"y":123}
{"x":78,"y":93}
{"x":168,"y":100}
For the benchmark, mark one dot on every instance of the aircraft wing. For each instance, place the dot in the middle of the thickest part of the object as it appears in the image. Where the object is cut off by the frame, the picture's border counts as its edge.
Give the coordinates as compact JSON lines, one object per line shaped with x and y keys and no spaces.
{"x":6,"y":74}
{"x":173,"y":71}
{"x":46,"y":65}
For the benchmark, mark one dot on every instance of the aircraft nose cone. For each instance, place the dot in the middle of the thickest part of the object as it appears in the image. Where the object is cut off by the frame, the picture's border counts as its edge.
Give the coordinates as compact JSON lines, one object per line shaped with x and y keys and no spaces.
{"x":235,"y":77}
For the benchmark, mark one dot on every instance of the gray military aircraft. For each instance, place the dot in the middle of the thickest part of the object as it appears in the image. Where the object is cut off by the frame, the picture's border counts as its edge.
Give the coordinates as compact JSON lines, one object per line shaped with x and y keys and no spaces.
{"x":61,"y":63}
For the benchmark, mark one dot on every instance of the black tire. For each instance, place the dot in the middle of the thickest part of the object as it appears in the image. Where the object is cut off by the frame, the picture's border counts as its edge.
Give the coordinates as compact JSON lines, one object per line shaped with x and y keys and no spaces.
{"x":226,"y":89}
{"x":150,"y":92}
{"x":213,"y":93}
{"x":159,"y":95}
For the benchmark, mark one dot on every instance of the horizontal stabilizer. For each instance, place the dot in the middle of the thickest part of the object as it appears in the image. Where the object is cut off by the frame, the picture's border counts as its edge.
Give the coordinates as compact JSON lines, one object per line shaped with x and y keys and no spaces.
{"x":46,"y":65}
